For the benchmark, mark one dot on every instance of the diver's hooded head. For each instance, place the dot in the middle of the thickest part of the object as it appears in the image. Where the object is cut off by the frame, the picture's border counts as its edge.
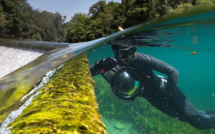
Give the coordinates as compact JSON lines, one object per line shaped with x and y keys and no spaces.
{"x":124,"y":51}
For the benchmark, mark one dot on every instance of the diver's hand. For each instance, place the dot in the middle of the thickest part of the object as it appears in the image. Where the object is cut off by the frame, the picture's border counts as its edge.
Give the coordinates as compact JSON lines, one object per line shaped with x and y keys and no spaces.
{"x":108,"y":63}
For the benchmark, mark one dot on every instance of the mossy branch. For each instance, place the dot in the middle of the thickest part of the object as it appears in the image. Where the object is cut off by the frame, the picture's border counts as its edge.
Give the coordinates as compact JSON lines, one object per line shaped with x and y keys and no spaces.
{"x":67,"y":104}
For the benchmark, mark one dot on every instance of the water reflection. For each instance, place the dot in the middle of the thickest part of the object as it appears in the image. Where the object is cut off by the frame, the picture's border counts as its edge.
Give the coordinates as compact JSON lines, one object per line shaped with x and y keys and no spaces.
{"x":163,"y":32}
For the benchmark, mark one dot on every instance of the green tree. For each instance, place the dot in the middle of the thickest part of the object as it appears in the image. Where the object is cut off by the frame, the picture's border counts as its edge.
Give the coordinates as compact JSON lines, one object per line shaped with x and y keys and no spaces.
{"x":118,"y":15}
{"x":2,"y":17}
{"x":12,"y":16}
{"x":76,"y":29}
{"x":48,"y":25}
{"x":101,"y":19}
{"x":18,"y":20}
{"x":27,"y":24}
{"x":59,"y":26}
{"x":2,"y":21}
{"x":18,"y":23}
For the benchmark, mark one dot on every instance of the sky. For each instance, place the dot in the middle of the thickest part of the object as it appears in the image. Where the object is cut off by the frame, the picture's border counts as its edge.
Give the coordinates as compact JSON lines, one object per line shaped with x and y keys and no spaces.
{"x":65,"y":7}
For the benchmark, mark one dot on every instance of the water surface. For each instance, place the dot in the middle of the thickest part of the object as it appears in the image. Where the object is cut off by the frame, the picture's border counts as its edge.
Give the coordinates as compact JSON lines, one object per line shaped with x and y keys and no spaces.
{"x":186,"y":43}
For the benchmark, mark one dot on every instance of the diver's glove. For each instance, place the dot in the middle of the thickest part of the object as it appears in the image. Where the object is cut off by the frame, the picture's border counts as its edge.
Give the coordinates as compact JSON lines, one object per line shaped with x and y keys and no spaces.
{"x":108,"y":63}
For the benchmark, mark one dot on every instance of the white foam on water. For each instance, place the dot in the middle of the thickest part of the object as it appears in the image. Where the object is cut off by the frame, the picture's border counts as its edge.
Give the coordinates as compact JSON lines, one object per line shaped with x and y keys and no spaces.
{"x":14,"y":58}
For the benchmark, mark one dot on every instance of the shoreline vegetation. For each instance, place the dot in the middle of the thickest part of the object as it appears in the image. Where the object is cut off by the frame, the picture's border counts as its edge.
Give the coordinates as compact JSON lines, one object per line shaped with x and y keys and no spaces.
{"x":18,"y":20}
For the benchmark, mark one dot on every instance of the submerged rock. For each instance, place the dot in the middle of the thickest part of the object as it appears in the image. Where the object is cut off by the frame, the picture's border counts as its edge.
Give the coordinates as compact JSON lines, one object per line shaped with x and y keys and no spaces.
{"x":119,"y":126}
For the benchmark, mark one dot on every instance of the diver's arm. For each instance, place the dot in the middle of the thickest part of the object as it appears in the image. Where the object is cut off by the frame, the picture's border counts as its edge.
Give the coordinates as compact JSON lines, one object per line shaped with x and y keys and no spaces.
{"x":105,"y":64}
{"x":168,"y":70}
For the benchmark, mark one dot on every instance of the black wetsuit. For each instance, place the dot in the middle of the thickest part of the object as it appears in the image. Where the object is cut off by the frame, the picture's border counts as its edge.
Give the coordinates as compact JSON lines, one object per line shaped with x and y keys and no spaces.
{"x":176,"y":105}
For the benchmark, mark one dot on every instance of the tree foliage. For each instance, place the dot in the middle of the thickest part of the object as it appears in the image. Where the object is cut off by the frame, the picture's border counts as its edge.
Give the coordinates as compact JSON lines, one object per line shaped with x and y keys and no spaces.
{"x":76,"y":28}
{"x":18,"y":20}
{"x":2,"y":17}
{"x":104,"y":18}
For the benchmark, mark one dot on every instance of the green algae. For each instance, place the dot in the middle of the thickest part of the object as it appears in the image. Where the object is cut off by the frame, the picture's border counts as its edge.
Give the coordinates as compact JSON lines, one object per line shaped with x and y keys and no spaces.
{"x":67,"y":104}
{"x":12,"y":99}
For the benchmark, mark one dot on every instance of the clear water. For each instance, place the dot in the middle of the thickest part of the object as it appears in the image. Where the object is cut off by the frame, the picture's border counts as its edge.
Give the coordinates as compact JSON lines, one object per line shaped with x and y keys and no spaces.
{"x":190,"y":48}
{"x":186,"y":42}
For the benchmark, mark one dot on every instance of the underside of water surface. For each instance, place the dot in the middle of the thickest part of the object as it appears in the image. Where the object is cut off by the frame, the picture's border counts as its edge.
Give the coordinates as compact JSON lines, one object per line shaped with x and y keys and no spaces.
{"x":185,"y":43}
{"x":183,"y":40}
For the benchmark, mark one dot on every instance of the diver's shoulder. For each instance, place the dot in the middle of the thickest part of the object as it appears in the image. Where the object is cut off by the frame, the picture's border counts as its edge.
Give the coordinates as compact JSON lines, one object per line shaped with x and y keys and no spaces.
{"x":143,"y":55}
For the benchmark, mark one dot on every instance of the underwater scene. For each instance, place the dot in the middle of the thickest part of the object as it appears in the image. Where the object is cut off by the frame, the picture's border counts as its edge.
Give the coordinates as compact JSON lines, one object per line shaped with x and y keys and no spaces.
{"x":189,"y":47}
{"x":55,"y":94}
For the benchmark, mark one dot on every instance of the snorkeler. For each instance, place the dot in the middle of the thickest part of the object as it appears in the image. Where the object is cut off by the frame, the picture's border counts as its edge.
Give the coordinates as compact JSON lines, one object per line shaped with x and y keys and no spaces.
{"x":130,"y":75}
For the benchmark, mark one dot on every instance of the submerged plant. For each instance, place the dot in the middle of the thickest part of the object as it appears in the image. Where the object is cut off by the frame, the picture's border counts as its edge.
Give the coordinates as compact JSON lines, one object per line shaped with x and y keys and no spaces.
{"x":146,"y":118}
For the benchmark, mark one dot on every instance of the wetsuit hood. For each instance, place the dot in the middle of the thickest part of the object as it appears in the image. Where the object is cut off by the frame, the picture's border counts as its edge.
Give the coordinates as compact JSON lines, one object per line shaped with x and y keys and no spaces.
{"x":124,"y":51}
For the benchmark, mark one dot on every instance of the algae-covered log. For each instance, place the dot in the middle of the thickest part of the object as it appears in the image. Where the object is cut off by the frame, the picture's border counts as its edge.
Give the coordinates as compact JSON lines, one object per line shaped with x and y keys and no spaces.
{"x":67,"y":104}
